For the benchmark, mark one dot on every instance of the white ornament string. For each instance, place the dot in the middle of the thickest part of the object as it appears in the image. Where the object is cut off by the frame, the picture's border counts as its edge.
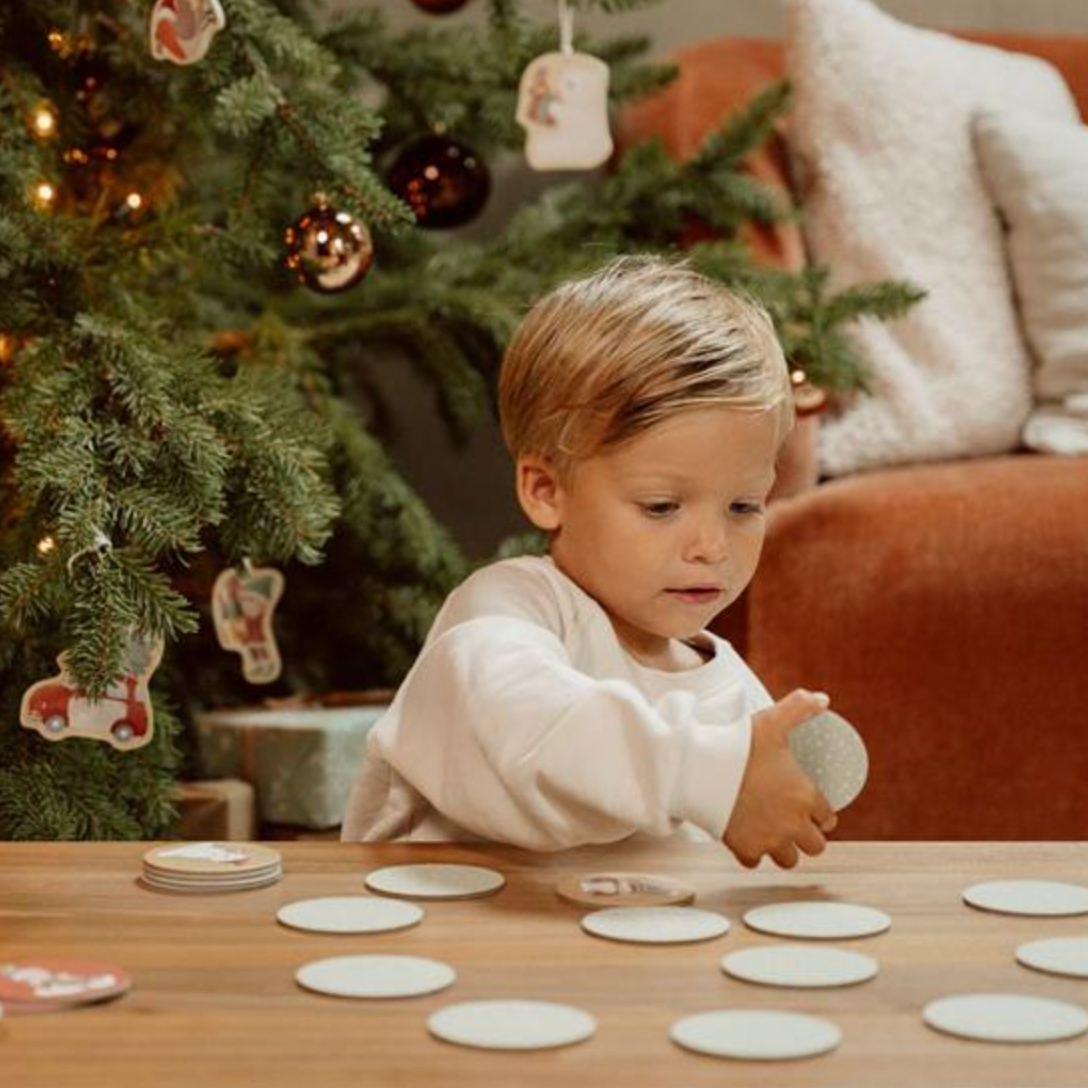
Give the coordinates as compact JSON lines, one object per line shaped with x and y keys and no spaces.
{"x":566,"y":28}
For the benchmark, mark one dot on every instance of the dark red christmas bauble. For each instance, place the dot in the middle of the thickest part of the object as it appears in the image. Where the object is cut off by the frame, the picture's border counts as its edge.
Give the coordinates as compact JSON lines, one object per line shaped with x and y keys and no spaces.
{"x":329,"y":250}
{"x":441,"y":179}
{"x":439,"y":7}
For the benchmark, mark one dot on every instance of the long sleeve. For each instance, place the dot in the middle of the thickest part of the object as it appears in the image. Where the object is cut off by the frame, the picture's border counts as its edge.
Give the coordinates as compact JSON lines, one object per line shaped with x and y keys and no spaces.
{"x":502,"y":735}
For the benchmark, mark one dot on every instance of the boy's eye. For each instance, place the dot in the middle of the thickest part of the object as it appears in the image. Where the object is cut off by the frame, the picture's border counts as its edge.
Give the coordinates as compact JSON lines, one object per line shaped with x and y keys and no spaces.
{"x":746,"y":508}
{"x":659,"y":509}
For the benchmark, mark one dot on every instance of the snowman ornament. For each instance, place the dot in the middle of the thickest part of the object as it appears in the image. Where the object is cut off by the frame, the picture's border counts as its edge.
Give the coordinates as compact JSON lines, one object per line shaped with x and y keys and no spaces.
{"x":563,"y":107}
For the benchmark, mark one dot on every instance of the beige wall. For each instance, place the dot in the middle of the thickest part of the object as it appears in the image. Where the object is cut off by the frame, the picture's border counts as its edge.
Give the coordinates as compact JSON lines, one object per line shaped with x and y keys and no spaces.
{"x":674,"y":23}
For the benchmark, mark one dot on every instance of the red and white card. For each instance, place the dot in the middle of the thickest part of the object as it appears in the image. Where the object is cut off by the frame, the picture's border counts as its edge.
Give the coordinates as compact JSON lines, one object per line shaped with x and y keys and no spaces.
{"x":52,"y":984}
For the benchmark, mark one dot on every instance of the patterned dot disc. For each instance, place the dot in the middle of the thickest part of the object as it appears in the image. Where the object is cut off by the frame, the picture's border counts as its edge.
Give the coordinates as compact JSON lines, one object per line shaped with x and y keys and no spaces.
{"x":831,"y":752}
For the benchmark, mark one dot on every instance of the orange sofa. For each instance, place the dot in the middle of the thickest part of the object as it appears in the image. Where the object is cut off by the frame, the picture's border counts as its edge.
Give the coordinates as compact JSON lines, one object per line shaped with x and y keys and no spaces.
{"x":944,"y":606}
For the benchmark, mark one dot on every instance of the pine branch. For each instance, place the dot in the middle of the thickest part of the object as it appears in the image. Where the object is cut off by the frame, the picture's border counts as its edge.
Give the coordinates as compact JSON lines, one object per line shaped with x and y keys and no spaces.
{"x":28,"y":594}
{"x":884,"y":301}
{"x":745,"y":131}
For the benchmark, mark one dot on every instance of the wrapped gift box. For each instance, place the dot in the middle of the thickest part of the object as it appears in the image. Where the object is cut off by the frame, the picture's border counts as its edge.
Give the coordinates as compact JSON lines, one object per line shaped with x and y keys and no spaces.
{"x":222,"y":808}
{"x":301,"y":758}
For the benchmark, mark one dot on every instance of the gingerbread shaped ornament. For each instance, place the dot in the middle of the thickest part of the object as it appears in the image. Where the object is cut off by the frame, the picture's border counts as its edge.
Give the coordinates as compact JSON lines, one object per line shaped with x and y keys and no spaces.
{"x":563,"y":107}
{"x":243,"y":601}
{"x":123,"y":717}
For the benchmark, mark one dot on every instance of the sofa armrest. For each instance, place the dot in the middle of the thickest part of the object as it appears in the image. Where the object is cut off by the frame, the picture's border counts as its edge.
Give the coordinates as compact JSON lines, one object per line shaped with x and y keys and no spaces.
{"x":945,"y":608}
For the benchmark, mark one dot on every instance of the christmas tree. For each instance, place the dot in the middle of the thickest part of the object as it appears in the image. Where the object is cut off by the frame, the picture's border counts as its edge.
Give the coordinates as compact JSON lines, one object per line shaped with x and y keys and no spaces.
{"x":212,"y":212}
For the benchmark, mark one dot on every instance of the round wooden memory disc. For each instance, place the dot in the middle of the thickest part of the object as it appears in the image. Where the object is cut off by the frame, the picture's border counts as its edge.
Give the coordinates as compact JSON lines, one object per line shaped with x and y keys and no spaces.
{"x":799,"y":966}
{"x":623,"y":890}
{"x":375,"y":976}
{"x":436,"y":881}
{"x":512,"y":1025}
{"x":1006,"y":1018}
{"x":1056,"y":956}
{"x":349,"y":914}
{"x":211,"y":857}
{"x":51,"y":982}
{"x":817,"y":920}
{"x":206,"y":886}
{"x":831,"y":752}
{"x":756,"y":1034}
{"x":1042,"y":898}
{"x":656,"y":925}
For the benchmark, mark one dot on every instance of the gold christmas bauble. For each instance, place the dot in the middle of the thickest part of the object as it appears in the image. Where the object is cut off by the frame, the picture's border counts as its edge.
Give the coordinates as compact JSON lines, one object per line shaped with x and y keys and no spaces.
{"x":328,"y":250}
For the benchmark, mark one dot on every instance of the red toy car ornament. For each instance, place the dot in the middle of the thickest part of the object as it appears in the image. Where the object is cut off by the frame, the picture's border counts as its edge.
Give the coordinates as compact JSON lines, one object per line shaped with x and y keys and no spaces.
{"x":57,"y":708}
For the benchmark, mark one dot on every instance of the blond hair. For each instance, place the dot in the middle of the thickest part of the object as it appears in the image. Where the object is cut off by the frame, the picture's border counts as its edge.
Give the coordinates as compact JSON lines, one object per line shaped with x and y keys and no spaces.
{"x":602,"y":359}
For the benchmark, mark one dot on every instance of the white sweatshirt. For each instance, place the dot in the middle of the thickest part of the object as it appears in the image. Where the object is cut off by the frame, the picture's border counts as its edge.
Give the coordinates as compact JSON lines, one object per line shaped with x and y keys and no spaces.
{"x":525,"y":721}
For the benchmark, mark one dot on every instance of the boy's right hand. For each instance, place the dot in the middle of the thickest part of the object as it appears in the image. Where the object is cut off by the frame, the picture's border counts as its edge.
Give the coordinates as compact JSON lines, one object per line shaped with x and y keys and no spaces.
{"x":779,"y":810}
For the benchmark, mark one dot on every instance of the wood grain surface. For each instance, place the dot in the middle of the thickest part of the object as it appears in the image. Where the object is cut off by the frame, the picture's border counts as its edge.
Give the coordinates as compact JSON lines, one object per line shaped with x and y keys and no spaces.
{"x":214,"y":1001}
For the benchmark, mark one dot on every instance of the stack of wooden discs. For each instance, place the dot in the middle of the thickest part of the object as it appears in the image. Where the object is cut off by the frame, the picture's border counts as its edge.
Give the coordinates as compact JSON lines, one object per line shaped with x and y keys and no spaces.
{"x":211,"y":867}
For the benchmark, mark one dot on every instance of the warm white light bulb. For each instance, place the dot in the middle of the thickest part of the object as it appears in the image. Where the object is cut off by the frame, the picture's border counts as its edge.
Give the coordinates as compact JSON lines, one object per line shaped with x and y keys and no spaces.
{"x":44,"y":194}
{"x":43,"y":121}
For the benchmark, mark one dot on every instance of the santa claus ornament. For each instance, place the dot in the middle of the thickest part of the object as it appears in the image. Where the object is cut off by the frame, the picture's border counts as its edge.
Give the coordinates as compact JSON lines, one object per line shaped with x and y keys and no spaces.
{"x":181,"y":31}
{"x":243,"y":601}
{"x":563,"y":106}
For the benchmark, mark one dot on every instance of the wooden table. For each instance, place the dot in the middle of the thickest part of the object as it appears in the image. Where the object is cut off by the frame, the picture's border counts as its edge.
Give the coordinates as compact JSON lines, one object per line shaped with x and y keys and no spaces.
{"x":215,"y":1003}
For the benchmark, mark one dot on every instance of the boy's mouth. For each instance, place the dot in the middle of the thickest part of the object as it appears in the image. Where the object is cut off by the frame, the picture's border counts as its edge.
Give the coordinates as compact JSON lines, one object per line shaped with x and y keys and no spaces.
{"x":696,"y":594}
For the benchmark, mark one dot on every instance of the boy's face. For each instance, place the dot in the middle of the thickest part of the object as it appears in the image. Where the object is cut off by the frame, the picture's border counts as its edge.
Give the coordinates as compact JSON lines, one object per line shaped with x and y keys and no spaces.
{"x":664,"y":531}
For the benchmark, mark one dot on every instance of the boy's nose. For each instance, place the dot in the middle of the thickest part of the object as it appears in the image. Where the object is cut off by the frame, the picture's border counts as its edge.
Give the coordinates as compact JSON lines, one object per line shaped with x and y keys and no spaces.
{"x":710,"y":546}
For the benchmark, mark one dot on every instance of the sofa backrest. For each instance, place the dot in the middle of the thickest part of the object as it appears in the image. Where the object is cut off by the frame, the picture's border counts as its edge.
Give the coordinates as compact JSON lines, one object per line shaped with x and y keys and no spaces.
{"x":721,"y":75}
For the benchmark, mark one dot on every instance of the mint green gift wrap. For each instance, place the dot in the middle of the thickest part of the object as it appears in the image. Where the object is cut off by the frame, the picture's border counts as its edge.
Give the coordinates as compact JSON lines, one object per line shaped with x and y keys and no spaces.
{"x":301,"y":760}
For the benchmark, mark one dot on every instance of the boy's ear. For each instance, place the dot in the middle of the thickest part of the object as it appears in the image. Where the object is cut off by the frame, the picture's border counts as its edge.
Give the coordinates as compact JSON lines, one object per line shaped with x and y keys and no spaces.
{"x":540,"y":492}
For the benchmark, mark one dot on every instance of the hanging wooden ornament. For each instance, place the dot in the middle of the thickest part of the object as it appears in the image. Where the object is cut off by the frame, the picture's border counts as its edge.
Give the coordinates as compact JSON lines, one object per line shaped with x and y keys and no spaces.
{"x":243,"y":601}
{"x":563,"y":106}
{"x":181,"y":31}
{"x":58,"y":709}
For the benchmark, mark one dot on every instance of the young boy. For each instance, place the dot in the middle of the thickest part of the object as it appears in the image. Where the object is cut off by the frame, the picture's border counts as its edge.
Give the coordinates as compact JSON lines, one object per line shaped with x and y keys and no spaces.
{"x":578,"y":698}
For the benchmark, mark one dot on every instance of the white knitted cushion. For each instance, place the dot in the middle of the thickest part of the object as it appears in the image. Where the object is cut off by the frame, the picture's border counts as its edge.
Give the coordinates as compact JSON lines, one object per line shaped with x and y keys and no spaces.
{"x":1037,"y":171}
{"x":891,"y":189}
